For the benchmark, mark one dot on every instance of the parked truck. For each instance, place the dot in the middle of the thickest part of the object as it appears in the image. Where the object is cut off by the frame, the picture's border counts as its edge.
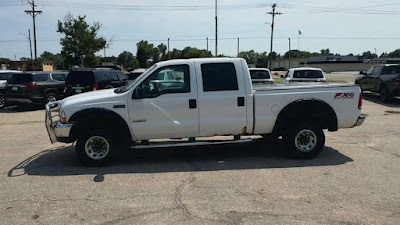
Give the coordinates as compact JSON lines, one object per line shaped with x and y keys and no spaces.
{"x":216,"y":97}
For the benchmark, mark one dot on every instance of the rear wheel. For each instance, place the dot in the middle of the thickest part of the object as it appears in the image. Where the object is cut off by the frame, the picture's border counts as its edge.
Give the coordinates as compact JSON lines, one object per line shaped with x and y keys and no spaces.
{"x":2,"y":101}
{"x":51,"y":98}
{"x":304,"y":141}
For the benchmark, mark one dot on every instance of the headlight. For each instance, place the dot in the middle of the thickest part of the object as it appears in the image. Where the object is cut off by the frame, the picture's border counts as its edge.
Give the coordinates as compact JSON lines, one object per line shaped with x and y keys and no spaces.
{"x":63,"y":118}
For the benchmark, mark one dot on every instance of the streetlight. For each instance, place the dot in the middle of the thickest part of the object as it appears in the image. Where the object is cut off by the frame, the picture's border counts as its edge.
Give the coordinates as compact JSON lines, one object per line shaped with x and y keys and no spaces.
{"x":289,"y":53}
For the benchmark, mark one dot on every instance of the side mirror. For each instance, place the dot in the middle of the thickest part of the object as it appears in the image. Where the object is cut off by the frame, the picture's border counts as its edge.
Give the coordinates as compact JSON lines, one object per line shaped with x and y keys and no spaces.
{"x":138,"y":93}
{"x":282,"y":76}
{"x":363,"y":73}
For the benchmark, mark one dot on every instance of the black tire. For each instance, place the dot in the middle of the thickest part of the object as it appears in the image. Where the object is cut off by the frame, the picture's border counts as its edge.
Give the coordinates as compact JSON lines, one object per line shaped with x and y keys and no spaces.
{"x":2,"y":101}
{"x":96,"y":139}
{"x":385,"y":95}
{"x":304,"y":141}
{"x":50,"y":97}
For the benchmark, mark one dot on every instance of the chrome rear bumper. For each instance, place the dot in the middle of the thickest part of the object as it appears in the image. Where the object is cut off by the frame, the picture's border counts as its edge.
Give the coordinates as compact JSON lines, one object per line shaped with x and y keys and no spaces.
{"x":57,"y":131}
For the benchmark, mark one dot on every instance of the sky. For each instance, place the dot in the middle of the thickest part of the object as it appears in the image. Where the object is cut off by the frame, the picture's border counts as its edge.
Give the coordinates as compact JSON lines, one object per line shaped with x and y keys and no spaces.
{"x":343,"y":26}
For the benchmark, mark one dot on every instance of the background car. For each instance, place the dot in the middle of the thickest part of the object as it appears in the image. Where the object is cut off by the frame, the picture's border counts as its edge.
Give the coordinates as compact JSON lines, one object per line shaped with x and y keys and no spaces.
{"x":35,"y":87}
{"x":383,"y":79}
{"x":4,"y":75}
{"x":84,"y":80}
{"x":305,"y":74}
{"x":261,"y":76}
{"x":135,"y":73}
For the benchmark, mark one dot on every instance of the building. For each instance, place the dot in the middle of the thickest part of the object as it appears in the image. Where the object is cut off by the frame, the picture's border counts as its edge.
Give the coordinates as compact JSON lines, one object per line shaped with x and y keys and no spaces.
{"x":25,"y":65}
{"x":332,"y":63}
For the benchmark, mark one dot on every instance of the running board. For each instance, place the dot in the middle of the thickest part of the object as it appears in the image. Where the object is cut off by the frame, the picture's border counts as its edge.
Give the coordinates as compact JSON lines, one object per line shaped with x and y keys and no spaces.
{"x":168,"y":144}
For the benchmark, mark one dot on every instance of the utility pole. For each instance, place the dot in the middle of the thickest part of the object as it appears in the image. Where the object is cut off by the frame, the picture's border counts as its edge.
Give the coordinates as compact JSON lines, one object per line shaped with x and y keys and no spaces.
{"x":33,"y":13}
{"x":289,"y":53}
{"x":15,"y":57}
{"x":207,"y":45}
{"x":238,"y":48}
{"x":216,"y":28}
{"x":168,"y":49}
{"x":273,"y":13}
{"x":30,"y":45}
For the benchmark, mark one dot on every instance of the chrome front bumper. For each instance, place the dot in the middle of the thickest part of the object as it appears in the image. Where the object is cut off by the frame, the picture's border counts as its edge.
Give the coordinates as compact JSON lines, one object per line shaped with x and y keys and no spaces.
{"x":360,"y":120}
{"x":57,"y":131}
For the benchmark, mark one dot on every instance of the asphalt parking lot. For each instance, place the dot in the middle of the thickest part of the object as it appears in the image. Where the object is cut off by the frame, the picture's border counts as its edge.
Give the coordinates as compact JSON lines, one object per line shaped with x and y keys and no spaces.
{"x":355,"y":180}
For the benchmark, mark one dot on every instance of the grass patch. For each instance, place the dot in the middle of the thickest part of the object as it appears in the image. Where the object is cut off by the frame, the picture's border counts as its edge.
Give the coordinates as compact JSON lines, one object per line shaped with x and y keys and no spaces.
{"x":392,"y":112}
{"x":278,"y":80}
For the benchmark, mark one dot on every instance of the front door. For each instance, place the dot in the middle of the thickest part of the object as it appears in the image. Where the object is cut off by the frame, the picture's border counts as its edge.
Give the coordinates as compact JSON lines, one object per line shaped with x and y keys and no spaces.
{"x":166,"y":109}
{"x":367,"y":82}
{"x":221,"y":98}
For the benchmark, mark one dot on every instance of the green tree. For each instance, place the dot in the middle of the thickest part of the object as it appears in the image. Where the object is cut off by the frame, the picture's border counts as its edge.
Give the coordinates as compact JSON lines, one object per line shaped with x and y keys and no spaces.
{"x":190,"y":52}
{"x":326,"y":52}
{"x":127,"y":60}
{"x":144,"y":53}
{"x":81,"y":41}
{"x":394,"y":54}
{"x":369,"y":55}
{"x":163,"y":51}
{"x":250,"y":56}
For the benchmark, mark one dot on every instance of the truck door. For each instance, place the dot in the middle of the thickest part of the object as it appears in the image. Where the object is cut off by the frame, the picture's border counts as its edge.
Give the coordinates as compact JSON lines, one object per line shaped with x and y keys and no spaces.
{"x":367,"y":82}
{"x":166,"y":111}
{"x":222,"y":102}
{"x":375,"y":78}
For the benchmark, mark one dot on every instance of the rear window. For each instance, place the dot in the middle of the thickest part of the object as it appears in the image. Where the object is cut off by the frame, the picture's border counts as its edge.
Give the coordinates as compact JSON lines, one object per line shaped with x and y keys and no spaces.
{"x":59,"y":76}
{"x":20,"y":78}
{"x":80,"y":77}
{"x":308,"y":74}
{"x":260,"y":74}
{"x":122,"y":76}
{"x":40,"y":77}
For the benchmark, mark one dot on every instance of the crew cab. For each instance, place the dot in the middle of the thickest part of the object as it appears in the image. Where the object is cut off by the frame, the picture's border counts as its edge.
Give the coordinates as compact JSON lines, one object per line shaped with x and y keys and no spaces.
{"x":35,"y":87}
{"x":384,"y":79}
{"x":216,"y":97}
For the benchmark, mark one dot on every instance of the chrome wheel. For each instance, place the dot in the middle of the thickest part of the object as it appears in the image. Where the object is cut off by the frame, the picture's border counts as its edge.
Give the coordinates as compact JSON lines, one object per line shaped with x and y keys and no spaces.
{"x":51,"y":98}
{"x":97,"y":147}
{"x":2,"y":101}
{"x":305,"y":140}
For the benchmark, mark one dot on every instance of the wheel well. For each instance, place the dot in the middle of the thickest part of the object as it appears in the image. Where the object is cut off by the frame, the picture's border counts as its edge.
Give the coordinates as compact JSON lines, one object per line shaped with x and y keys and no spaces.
{"x":312,"y":110}
{"x":99,"y":119}
{"x":52,"y":91}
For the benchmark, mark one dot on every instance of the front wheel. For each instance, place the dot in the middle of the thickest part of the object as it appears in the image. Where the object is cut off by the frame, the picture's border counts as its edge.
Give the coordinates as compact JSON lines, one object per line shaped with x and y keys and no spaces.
{"x":304,"y":141}
{"x":2,"y":101}
{"x":95,"y":149}
{"x":51,"y":98}
{"x":385,"y":96}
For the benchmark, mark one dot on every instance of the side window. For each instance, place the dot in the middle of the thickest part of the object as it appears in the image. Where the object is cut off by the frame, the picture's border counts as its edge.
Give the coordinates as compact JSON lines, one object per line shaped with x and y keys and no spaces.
{"x":112,"y":76}
{"x":369,"y":71}
{"x":390,"y":70}
{"x":59,"y":76}
{"x":153,"y":86}
{"x":40,"y":77}
{"x":122,"y":76}
{"x":101,"y":76}
{"x":219,"y":77}
{"x":377,"y":71}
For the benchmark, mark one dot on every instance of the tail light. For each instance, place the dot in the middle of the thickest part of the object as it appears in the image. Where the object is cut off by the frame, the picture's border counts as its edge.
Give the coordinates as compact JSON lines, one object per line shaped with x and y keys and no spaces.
{"x":397,"y":82}
{"x":159,"y":85}
{"x":291,"y":81}
{"x":65,"y":88}
{"x":360,"y":101}
{"x":30,"y":85}
{"x":95,"y":86}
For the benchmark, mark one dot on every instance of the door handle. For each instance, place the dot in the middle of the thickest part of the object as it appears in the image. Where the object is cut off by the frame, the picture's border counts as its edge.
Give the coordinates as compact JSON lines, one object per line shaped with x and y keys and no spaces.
{"x":240,"y":101}
{"x":192,"y":103}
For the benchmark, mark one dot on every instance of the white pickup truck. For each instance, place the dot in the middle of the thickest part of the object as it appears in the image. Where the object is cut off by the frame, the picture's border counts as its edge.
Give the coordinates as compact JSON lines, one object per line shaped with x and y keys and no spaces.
{"x":214,"y":97}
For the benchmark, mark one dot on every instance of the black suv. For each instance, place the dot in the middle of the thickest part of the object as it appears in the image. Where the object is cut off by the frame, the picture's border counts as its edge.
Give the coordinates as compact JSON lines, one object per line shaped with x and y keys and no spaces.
{"x":84,"y":80}
{"x":384,"y":79}
{"x":35,"y":87}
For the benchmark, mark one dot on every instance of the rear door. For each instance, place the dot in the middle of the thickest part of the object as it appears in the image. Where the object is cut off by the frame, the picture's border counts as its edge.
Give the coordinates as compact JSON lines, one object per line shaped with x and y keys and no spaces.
{"x":113,"y":79}
{"x":18,"y":85}
{"x":374,"y":78}
{"x":222,"y":109}
{"x":366,"y":82}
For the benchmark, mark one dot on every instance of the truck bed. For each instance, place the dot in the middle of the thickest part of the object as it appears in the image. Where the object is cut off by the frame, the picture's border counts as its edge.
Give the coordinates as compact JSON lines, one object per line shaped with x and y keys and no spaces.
{"x":270,"y":87}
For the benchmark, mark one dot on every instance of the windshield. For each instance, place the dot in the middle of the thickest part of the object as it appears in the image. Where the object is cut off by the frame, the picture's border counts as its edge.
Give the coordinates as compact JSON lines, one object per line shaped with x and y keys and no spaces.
{"x":259,"y":74}
{"x":131,"y":84}
{"x":308,"y":74}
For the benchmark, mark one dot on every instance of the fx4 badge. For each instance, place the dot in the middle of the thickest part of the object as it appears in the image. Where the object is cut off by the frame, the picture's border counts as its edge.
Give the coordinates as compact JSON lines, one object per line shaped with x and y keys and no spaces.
{"x":344,"y":95}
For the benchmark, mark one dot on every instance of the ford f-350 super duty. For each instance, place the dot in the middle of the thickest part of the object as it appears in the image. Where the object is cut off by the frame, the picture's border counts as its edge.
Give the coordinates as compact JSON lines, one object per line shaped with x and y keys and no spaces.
{"x":207,"y":97}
